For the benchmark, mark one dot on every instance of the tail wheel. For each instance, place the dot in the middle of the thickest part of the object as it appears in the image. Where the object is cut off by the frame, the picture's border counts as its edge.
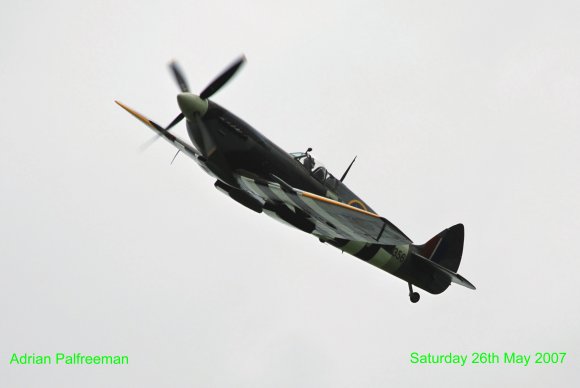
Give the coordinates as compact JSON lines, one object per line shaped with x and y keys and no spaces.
{"x":414,"y":296}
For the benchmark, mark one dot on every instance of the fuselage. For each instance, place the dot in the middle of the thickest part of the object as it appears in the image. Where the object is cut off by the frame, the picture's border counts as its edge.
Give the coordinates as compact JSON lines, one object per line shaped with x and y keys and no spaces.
{"x":240,"y":150}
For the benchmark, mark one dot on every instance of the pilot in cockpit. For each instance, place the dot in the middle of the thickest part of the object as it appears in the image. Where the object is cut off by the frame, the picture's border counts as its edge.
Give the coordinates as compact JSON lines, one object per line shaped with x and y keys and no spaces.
{"x":336,"y":190}
{"x":316,"y":169}
{"x":305,"y":159}
{"x":308,"y":162}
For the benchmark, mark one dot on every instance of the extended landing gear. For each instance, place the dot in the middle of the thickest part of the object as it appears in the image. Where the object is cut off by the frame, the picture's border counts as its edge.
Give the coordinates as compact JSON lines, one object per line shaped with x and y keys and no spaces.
{"x":414,"y":296}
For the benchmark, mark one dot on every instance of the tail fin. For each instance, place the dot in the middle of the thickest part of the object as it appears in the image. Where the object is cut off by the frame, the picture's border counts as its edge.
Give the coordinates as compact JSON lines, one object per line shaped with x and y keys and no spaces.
{"x":446,"y":248}
{"x":433,"y":265}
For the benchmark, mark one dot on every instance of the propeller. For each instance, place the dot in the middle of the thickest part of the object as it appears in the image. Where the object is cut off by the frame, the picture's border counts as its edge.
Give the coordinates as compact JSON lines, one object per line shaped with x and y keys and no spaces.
{"x":150,"y":142}
{"x":194,"y":107}
{"x":222,"y":79}
{"x":208,"y":143}
{"x":179,"y":77}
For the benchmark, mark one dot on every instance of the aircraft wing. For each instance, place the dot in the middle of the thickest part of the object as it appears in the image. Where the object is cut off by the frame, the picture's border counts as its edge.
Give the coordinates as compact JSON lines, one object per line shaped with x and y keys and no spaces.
{"x":332,"y":219}
{"x":178,"y":143}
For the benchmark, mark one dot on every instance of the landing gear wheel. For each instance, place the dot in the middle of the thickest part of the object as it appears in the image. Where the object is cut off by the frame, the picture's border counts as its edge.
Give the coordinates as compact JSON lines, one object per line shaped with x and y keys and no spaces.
{"x":414,"y":296}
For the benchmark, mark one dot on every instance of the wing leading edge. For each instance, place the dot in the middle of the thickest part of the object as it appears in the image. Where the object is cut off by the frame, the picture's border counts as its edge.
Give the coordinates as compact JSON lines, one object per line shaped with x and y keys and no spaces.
{"x":178,"y":143}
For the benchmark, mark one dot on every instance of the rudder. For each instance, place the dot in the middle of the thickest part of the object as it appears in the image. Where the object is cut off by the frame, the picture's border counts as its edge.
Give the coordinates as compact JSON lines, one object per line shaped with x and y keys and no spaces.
{"x":446,"y":248}
{"x":433,"y":265}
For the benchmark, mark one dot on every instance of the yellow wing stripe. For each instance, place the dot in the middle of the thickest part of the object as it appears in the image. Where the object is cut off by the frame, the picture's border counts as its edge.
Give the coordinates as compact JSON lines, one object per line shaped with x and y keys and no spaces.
{"x":136,"y":114}
{"x":333,"y":202}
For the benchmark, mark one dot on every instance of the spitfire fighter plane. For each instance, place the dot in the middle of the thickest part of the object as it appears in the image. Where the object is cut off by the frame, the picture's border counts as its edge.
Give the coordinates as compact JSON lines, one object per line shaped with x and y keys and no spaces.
{"x":298,"y":190}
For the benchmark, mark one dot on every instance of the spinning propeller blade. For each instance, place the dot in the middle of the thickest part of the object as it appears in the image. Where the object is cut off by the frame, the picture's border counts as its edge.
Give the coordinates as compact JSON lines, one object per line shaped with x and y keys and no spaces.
{"x":149,"y":142}
{"x":222,"y":79}
{"x":179,"y":77}
{"x":208,"y":145}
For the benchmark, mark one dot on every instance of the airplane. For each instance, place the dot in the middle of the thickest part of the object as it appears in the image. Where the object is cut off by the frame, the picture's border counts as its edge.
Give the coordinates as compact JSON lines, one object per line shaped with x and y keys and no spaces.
{"x":298,"y":190}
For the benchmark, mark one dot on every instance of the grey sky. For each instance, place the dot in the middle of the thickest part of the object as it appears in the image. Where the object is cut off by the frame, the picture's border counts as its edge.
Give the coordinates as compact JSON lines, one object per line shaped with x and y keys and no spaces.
{"x":458,"y":112}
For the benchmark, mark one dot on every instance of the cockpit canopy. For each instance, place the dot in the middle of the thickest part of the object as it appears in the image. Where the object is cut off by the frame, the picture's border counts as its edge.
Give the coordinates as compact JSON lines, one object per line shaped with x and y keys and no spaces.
{"x":336,"y":189}
{"x":316,"y":169}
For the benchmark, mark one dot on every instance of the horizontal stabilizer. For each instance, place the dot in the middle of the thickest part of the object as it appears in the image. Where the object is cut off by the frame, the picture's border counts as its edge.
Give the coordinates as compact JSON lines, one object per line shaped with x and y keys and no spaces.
{"x":439,"y":269}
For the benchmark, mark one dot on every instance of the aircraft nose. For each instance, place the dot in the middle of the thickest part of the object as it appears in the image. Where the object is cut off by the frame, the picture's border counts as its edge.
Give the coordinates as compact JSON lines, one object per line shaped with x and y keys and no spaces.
{"x":190,"y":105}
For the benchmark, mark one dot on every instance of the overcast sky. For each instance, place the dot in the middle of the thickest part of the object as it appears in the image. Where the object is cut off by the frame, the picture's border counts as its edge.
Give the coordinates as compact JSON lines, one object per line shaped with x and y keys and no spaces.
{"x":458,"y":112}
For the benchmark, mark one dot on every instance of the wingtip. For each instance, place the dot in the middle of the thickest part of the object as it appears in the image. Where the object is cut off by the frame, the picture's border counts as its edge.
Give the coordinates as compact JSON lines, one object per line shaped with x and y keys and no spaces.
{"x":135,"y":114}
{"x":123,"y":106}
